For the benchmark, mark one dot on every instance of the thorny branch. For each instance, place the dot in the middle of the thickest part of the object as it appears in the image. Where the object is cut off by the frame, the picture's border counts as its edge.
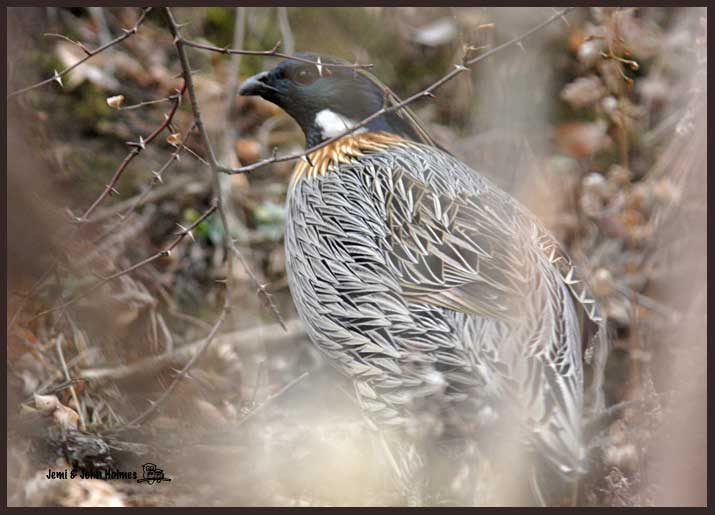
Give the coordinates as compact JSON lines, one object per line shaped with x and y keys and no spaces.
{"x":136,"y":148}
{"x":272,"y":52}
{"x":229,"y":244}
{"x":153,"y":406}
{"x":57,"y":76}
{"x":157,"y":177}
{"x":464,"y":66}
{"x":183,"y":233}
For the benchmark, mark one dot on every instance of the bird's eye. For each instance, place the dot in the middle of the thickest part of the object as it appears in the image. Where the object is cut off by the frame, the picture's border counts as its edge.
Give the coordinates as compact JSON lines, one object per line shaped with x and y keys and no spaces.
{"x":305,"y":75}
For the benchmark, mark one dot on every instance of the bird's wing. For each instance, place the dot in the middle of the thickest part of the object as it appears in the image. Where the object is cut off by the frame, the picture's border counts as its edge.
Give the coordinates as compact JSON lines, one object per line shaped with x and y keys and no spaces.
{"x":460,"y":243}
{"x":454,"y":249}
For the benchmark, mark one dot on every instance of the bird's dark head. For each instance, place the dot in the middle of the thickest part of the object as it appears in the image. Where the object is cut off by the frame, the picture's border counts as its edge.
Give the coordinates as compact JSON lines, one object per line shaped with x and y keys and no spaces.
{"x":326,"y":100}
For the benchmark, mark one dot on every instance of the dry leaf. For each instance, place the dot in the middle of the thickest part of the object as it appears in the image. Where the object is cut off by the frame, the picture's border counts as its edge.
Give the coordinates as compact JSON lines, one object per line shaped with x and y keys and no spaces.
{"x":116,"y":101}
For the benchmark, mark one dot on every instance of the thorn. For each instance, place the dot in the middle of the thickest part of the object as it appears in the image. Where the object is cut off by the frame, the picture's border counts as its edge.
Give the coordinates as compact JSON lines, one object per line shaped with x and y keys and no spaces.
{"x":428,"y":94}
{"x":569,"y":276}
{"x":112,"y":190}
{"x":225,"y":50}
{"x":274,"y":153}
{"x":157,"y":177}
{"x":137,"y":144}
{"x":185,"y":231}
{"x":165,"y":253}
{"x":563,"y":18}
{"x":182,"y":25}
{"x":58,"y":79}
{"x":520,"y":44}
{"x":306,"y":158}
{"x":319,"y":66}
{"x":633,"y":65}
{"x":461,"y":67}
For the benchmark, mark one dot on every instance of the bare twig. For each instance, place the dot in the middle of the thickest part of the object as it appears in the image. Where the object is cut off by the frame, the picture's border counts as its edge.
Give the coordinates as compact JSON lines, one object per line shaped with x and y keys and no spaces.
{"x":146,"y":103}
{"x":270,"y":399}
{"x":58,"y":342}
{"x":57,"y":76}
{"x":152,"y":195}
{"x":153,"y":365}
{"x":136,"y":148}
{"x":426,"y":92}
{"x":181,"y":374}
{"x":167,"y":251}
{"x":648,"y":303}
{"x":70,"y":40}
{"x":272,"y":52}
{"x":143,"y":198}
{"x":162,"y":253}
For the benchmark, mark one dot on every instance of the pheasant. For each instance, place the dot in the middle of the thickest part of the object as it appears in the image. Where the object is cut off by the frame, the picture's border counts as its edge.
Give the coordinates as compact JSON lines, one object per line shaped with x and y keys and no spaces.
{"x":432,"y":289}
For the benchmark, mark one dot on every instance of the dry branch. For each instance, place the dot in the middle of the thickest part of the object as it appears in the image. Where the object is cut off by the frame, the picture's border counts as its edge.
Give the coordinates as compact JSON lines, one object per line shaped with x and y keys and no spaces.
{"x":136,"y":149}
{"x":162,"y":253}
{"x":57,"y":76}
{"x":272,"y":52}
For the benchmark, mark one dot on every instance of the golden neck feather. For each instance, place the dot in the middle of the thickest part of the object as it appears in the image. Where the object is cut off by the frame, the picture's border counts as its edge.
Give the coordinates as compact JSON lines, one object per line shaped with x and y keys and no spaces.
{"x":342,"y":151}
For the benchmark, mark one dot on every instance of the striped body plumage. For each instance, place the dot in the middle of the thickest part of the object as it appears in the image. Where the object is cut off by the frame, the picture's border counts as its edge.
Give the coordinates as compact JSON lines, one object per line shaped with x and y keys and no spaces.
{"x":427,"y":285}
{"x":420,"y":280}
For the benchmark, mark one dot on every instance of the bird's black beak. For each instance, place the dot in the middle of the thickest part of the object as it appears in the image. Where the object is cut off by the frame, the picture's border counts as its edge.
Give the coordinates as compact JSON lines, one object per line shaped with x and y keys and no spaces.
{"x":256,"y":85}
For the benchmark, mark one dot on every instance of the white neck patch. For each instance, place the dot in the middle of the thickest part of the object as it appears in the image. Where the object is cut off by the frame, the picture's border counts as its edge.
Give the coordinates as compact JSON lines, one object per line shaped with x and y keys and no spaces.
{"x":332,"y":124}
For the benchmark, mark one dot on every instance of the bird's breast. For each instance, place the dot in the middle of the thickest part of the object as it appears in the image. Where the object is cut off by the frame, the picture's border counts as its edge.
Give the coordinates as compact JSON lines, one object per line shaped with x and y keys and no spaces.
{"x":342,"y":151}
